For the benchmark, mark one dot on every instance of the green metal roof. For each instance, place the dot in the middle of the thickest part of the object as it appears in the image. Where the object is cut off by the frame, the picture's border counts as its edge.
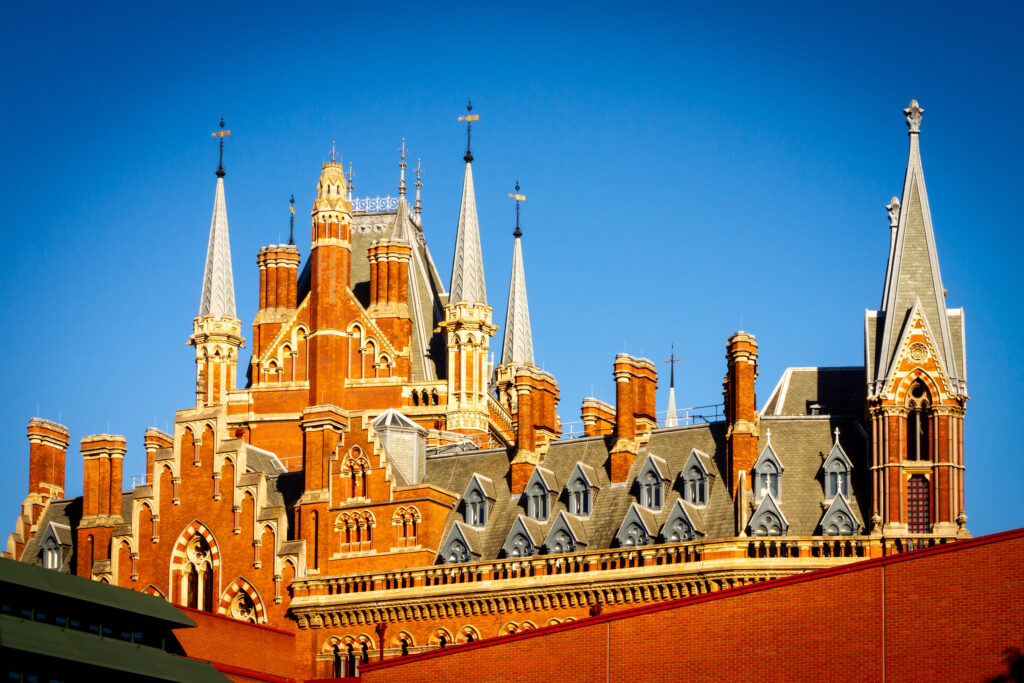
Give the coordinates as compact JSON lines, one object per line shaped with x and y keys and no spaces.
{"x":79,"y":647}
{"x":19,"y":576}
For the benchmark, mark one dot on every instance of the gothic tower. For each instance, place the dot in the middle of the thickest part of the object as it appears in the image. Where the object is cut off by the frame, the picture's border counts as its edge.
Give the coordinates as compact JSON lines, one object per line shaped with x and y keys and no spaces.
{"x":216,"y":331}
{"x":467,"y":321}
{"x":517,"y":344}
{"x":917,"y":380}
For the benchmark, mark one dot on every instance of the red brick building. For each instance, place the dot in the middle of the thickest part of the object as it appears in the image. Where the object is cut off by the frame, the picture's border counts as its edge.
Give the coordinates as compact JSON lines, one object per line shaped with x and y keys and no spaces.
{"x":948,"y":613}
{"x":379,"y":486}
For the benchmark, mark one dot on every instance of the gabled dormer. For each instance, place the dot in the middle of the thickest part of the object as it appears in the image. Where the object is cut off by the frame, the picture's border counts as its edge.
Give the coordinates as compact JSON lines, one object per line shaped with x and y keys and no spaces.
{"x":638,"y":528}
{"x":540,"y":494}
{"x":768,"y":519}
{"x":581,"y":490}
{"x":837,"y":469}
{"x":652,"y":482}
{"x":55,"y":546}
{"x":565,"y":536}
{"x":684,"y":523}
{"x":839,"y":519}
{"x":523,"y":539}
{"x":461,"y":545}
{"x":695,"y":479}
{"x":478,"y":500}
{"x":767,"y":473}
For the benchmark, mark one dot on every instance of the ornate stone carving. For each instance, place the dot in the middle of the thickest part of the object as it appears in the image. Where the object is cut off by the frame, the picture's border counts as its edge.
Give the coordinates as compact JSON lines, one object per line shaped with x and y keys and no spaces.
{"x":913,"y":113}
{"x":893,"y":207}
{"x":917,"y":352}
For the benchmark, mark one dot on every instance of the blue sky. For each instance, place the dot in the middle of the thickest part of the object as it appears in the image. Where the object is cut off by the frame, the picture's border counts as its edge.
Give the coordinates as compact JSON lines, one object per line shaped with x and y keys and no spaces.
{"x":690,"y":171}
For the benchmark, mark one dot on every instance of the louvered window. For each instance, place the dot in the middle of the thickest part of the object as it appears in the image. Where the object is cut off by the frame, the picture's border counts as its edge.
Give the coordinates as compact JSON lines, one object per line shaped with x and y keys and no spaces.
{"x":918,"y":507}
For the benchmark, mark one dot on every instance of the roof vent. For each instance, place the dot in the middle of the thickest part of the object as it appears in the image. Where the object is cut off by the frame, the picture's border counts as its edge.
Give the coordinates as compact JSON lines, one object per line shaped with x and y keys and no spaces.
{"x":817,"y":409}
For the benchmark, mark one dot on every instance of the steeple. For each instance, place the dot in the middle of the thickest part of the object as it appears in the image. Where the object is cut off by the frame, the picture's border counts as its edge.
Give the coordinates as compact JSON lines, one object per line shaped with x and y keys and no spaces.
{"x":218,"y":297}
{"x":517,"y":346}
{"x":913,"y":270}
{"x":672,"y":415}
{"x":419,"y":171}
{"x":468,"y":265}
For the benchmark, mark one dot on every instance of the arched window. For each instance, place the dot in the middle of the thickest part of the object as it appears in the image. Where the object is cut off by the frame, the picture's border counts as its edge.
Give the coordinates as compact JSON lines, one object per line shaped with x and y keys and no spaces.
{"x":457,"y":551}
{"x":695,"y":486}
{"x":405,"y":647}
{"x":634,"y":536}
{"x":338,"y":667}
{"x":198,"y":573}
{"x":351,"y":657}
{"x":837,"y":479}
{"x":678,"y":530}
{"x":767,"y":479}
{"x":918,"y":422}
{"x":51,"y":553}
{"x":520,"y":546}
{"x":650,"y":491}
{"x":579,"y":497}
{"x":243,"y":609}
{"x":562,"y":542}
{"x":537,"y":502}
{"x":918,"y":505}
{"x":768,"y":525}
{"x":476,"y":508}
{"x":838,"y":524}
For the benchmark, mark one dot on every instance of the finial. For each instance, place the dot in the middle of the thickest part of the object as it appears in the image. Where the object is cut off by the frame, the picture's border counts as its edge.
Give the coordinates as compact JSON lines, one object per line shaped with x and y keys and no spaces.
{"x":672,"y":360}
{"x":221,"y":134}
{"x":291,"y":220}
{"x":418,"y":184}
{"x":893,"y":207}
{"x":519,"y":198}
{"x":351,"y":181}
{"x":913,"y":113}
{"x":837,"y":434}
{"x":402,"y":165}
{"x":469,"y":118}
{"x":334,"y":154}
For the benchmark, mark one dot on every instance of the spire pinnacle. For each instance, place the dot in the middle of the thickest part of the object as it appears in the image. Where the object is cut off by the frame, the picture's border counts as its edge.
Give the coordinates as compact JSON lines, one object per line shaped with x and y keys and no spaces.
{"x":334,"y":153}
{"x":469,"y":118}
{"x":351,"y":181}
{"x":291,"y":220}
{"x":218,"y":296}
{"x":419,"y":170}
{"x":913,"y":113}
{"x":517,"y":346}
{"x":467,"y":283}
{"x":519,"y":198}
{"x":402,"y":165}
{"x":672,"y":415}
{"x":221,"y":134}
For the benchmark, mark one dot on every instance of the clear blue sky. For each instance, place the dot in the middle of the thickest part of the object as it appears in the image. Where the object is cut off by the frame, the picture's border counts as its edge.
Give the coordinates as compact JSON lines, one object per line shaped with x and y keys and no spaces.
{"x":689,"y":171}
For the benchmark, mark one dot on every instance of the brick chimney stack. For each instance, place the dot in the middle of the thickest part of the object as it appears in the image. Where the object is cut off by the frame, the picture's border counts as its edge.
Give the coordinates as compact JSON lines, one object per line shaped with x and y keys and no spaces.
{"x":636,"y":381}
{"x":103,"y":456}
{"x":155,"y":439}
{"x":47,"y":448}
{"x":740,"y":408}
{"x":536,"y":421}
{"x":598,"y":417}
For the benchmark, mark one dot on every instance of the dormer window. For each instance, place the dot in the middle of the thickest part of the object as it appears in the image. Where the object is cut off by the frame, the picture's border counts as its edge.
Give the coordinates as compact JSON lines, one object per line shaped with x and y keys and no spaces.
{"x":695,"y":486}
{"x":51,"y":553}
{"x":767,"y":472}
{"x":650,"y":491}
{"x":477,"y":500}
{"x":682,"y":524}
{"x":476,"y":509}
{"x":837,"y":467}
{"x":566,"y":535}
{"x":456,"y":552}
{"x":537,"y":502}
{"x":579,"y":497}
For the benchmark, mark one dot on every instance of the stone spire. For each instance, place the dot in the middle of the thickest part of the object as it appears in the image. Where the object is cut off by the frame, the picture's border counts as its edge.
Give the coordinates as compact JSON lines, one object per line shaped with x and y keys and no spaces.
{"x":218,"y":298}
{"x":913,"y":270}
{"x":518,"y":343}
{"x":468,"y":264}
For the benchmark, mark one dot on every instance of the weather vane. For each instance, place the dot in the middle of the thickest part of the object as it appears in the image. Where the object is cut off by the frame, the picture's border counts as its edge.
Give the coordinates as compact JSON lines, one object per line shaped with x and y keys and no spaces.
{"x":402,"y":165}
{"x":334,"y":154}
{"x":672,"y":361}
{"x":291,"y":220}
{"x":469,"y":118}
{"x":519,"y":198}
{"x":222,"y":133}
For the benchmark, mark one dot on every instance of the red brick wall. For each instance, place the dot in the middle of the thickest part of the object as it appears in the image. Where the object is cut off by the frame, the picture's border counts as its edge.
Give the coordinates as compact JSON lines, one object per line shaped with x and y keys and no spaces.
{"x":237,"y":648}
{"x":949,"y":613}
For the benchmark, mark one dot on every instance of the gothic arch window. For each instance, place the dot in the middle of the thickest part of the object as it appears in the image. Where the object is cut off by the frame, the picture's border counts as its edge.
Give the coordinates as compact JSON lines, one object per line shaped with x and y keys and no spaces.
{"x":579,"y":497}
{"x":520,"y":546}
{"x":243,"y":608}
{"x":918,"y":422}
{"x":562,"y":542}
{"x":695,"y":486}
{"x":456,"y":552}
{"x":650,"y":488}
{"x":678,"y":530}
{"x":837,"y":479}
{"x":918,"y":504}
{"x":634,"y":536}
{"x":766,"y":479}
{"x":476,"y":509}
{"x":838,"y":524}
{"x":51,"y":553}
{"x":537,"y":502}
{"x":198,"y":574}
{"x":768,"y":519}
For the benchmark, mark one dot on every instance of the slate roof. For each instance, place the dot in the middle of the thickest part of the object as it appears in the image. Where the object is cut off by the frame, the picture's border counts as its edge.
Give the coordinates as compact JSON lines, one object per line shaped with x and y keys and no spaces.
{"x":65,"y":513}
{"x":840,"y":391}
{"x":800,"y":441}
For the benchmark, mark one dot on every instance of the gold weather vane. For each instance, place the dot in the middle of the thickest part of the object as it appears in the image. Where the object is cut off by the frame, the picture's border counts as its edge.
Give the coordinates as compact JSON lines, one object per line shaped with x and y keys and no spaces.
{"x":469,"y":118}
{"x":222,"y":133}
{"x":672,"y":361}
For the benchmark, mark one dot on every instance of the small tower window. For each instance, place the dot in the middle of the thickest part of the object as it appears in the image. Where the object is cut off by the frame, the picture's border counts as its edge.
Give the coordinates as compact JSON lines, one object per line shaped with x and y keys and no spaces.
{"x":695,"y":486}
{"x":51,"y":553}
{"x":767,"y":478}
{"x":650,"y":491}
{"x":918,"y":505}
{"x":476,"y":509}
{"x":837,"y":480}
{"x":918,"y":422}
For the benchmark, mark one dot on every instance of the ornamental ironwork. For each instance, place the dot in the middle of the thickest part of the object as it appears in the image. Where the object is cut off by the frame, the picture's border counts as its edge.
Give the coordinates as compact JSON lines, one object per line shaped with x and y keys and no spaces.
{"x":375,"y":204}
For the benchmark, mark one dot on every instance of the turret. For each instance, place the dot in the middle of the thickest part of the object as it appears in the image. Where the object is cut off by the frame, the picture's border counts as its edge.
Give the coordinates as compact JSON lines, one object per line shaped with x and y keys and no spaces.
{"x":467,"y":320}
{"x":517,"y":344}
{"x":916,"y":374}
{"x":216,"y":331}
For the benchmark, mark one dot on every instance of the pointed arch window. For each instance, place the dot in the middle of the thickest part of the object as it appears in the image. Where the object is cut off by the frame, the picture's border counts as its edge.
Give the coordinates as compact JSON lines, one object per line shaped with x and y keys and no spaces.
{"x":51,"y":553}
{"x":695,"y":486}
{"x":562,"y":542}
{"x":456,"y":552}
{"x":198,"y":574}
{"x":837,"y":479}
{"x":476,"y":508}
{"x":678,"y":530}
{"x":650,"y":490}
{"x":579,"y":497}
{"x":634,"y":536}
{"x":918,"y":422}
{"x":537,"y":502}
{"x":766,"y":478}
{"x":520,"y":546}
